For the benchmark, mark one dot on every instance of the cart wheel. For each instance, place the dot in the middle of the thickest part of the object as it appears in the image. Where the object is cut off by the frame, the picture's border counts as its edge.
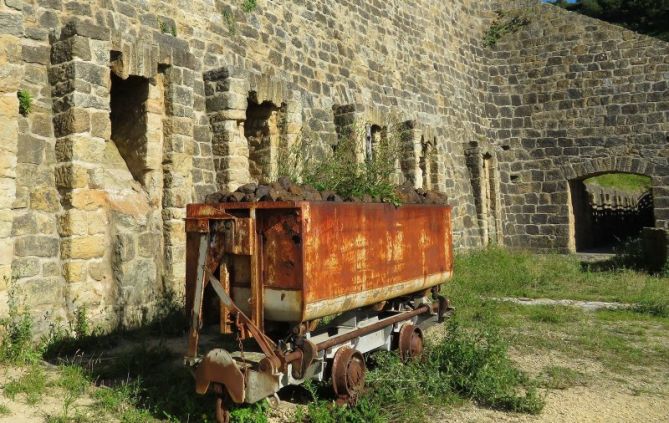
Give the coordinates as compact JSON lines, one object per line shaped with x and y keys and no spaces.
{"x":348,"y":374}
{"x":410,"y":342}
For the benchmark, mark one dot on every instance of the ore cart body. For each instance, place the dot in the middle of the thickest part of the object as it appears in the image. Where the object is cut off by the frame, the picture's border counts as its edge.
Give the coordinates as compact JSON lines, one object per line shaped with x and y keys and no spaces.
{"x":274,"y":269}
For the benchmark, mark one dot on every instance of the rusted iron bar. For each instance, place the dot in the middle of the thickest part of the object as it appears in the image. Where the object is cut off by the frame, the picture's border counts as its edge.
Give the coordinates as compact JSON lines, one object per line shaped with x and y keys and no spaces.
{"x":340,"y":339}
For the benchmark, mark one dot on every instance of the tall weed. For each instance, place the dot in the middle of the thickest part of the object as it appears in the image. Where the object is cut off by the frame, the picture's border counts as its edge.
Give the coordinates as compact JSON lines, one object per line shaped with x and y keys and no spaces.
{"x":16,"y":330}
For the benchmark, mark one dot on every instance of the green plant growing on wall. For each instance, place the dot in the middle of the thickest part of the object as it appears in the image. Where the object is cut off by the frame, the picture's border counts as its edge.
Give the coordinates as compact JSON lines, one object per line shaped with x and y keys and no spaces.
{"x":341,"y":170}
{"x":166,"y":28}
{"x":230,"y":21}
{"x":25,"y":102}
{"x":249,"y":6}
{"x":506,"y":23}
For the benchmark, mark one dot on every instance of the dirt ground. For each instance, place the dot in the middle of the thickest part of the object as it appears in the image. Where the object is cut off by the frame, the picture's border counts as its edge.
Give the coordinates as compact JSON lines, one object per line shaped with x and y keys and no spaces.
{"x":605,"y":398}
{"x":602,"y":395}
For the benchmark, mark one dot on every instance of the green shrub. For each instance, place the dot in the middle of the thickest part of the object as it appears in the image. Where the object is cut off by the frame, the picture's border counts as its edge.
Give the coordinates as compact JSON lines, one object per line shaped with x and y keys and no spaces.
{"x":341,"y":170}
{"x":249,"y":6}
{"x":466,"y":364}
{"x":230,"y":21}
{"x":477,"y":366}
{"x":25,"y":102}
{"x":167,"y":28}
{"x":16,"y":330}
{"x":506,"y":23}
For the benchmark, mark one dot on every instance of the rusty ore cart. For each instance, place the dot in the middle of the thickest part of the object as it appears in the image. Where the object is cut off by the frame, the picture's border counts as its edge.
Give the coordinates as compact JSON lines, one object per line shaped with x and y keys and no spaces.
{"x":272,"y":271}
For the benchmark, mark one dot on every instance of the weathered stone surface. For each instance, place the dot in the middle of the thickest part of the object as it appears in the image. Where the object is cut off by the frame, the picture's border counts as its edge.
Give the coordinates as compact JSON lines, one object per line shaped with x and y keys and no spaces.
{"x":83,"y":247}
{"x":11,"y":23}
{"x":563,"y":98}
{"x":36,"y":245}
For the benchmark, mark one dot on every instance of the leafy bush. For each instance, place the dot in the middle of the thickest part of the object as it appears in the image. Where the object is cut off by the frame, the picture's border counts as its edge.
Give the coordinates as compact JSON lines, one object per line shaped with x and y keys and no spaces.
{"x":466,"y":364}
{"x":25,"y":102}
{"x":249,"y":6}
{"x":504,"y":24}
{"x":477,"y":366}
{"x":342,"y":171}
{"x":16,"y":330}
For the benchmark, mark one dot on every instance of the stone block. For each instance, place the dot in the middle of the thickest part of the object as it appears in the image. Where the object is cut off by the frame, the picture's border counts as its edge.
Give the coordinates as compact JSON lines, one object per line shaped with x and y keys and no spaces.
{"x":124,"y":247}
{"x":44,"y":199}
{"x":71,"y":176}
{"x":6,"y":251}
{"x":88,"y":199}
{"x":226,"y":101}
{"x":149,"y":244}
{"x":25,"y":267}
{"x":8,"y":165}
{"x":79,"y":148}
{"x":74,"y":120}
{"x":67,"y":50}
{"x":36,"y":54}
{"x":51,"y":268}
{"x":37,"y":246}
{"x":74,"y":271}
{"x":85,"y":28}
{"x":5,"y":276}
{"x":73,"y":222}
{"x":83,"y":247}
{"x":101,"y":125}
{"x":98,"y":270}
{"x":30,"y":149}
{"x":11,"y":23}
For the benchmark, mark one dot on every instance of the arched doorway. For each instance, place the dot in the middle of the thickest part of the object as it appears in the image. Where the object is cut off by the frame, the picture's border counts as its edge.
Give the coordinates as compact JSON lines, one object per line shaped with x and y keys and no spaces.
{"x":609,"y":209}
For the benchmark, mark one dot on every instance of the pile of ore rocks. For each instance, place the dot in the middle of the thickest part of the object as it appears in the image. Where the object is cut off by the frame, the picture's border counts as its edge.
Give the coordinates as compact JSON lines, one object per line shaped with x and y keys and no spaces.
{"x":286,"y":190}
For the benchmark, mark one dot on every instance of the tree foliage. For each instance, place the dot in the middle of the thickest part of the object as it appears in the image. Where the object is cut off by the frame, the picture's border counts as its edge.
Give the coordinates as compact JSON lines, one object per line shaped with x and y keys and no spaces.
{"x":650,"y":17}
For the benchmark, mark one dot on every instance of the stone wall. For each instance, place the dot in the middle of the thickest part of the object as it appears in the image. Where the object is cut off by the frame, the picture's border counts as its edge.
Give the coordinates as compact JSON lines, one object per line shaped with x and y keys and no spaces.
{"x":570,"y":97}
{"x":141,"y":107}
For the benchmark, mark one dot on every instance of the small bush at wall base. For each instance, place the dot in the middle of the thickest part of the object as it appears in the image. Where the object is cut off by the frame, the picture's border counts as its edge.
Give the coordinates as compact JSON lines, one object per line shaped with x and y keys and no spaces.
{"x":16,"y":345}
{"x":25,"y":102}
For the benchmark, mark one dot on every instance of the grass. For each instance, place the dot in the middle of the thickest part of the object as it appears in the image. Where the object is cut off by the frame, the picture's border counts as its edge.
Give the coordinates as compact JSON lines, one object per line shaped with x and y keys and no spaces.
{"x":627,"y":182}
{"x":467,"y":364}
{"x":144,"y":381}
{"x":558,"y":377}
{"x":32,"y":384}
{"x":497,"y":272}
{"x":619,"y":340}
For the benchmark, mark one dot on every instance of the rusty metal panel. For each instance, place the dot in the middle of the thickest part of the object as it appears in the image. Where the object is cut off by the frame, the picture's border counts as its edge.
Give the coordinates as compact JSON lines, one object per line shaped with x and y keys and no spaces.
{"x":281,"y":235}
{"x":239,"y":236}
{"x":359,"y":252}
{"x":338,"y":256}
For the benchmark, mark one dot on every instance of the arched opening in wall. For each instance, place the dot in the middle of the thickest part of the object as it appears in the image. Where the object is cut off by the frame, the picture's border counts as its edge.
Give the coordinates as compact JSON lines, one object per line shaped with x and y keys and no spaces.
{"x":128,"y":115}
{"x":264,"y":130}
{"x":609,"y":209}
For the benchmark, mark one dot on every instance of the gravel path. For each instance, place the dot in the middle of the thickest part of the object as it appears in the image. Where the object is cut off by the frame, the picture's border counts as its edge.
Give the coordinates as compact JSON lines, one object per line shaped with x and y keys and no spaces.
{"x":585,"y":305}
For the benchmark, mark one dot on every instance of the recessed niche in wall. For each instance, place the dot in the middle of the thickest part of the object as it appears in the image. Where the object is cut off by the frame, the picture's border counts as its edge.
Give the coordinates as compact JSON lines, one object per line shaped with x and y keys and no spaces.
{"x":264,"y":130}
{"x":129,"y":121}
{"x":428,"y":163}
